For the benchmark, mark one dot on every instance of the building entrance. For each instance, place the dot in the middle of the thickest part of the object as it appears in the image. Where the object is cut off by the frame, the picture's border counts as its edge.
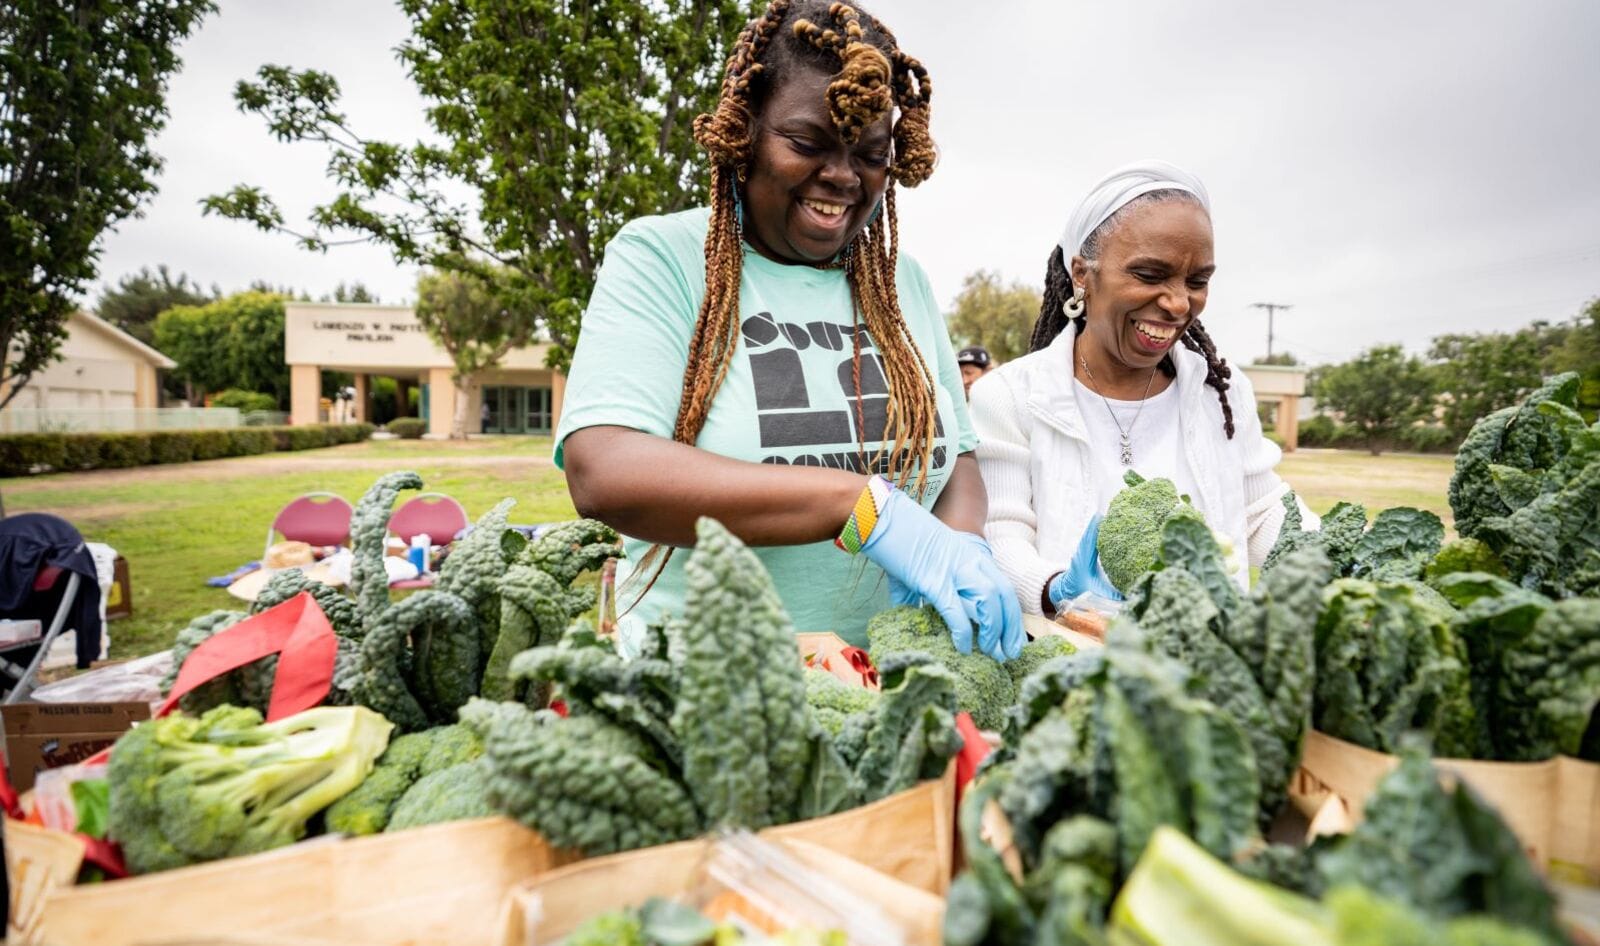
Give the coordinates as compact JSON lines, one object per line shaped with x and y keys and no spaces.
{"x":516,"y":410}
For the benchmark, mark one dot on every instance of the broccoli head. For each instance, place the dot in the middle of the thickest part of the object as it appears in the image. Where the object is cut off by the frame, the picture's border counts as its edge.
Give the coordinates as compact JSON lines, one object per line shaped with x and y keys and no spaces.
{"x":1035,"y":654}
{"x":983,"y":687}
{"x":1130,"y":535}
{"x":411,"y":757}
{"x":186,"y":790}
{"x":456,"y":793}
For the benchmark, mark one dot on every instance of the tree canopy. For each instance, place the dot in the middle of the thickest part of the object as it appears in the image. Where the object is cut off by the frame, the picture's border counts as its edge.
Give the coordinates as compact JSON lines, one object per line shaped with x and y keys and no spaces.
{"x":997,"y":316}
{"x":134,"y":302}
{"x":471,"y":319}
{"x":83,"y":88}
{"x":564,"y":120}
{"x":1379,"y":392}
{"x":233,"y":343}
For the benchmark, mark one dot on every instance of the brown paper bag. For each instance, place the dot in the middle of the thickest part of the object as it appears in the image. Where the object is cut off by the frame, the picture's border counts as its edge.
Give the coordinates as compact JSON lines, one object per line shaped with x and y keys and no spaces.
{"x":1553,"y":807}
{"x":38,"y":861}
{"x":1039,"y":626}
{"x":553,"y":905}
{"x":909,"y":836}
{"x":442,"y":884}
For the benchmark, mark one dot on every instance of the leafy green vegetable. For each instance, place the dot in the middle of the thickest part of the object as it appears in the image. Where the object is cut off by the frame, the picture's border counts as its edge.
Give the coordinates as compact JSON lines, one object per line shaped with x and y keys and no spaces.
{"x":1389,"y":663}
{"x":1130,"y":535}
{"x":369,"y":530}
{"x":91,"y":800}
{"x":186,"y":789}
{"x":1440,"y":851}
{"x":1464,"y":555}
{"x":1252,"y":656}
{"x":368,"y":809}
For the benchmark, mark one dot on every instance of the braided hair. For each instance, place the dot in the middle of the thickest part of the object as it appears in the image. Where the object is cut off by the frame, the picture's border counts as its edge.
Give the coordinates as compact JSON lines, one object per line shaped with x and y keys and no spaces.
{"x":1053,"y":318}
{"x":871,"y":78}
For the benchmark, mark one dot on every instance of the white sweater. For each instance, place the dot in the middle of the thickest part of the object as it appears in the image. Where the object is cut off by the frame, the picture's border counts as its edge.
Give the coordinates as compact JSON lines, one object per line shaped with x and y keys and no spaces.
{"x":1035,"y":454}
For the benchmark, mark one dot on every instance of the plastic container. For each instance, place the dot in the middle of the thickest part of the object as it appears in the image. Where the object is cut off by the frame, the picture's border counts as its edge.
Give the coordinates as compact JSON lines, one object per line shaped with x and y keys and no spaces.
{"x":419,"y":552}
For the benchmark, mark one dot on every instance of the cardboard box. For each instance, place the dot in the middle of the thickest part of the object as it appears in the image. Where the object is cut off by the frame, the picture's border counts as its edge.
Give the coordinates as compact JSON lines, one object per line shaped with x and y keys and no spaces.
{"x":119,"y":601}
{"x":46,"y":735}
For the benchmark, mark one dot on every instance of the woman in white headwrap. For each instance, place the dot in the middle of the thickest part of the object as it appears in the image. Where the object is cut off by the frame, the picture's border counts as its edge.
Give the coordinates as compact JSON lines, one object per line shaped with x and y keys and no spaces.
{"x":1136,"y":384}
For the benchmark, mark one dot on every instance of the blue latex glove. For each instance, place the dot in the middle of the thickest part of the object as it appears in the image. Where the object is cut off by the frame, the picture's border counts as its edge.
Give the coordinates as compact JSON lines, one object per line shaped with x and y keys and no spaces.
{"x":927,"y":559}
{"x":1085,"y":573}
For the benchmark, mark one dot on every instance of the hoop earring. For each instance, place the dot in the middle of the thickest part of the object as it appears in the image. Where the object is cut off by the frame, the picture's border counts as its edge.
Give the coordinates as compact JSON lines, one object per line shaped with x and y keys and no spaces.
{"x":1073,"y":308}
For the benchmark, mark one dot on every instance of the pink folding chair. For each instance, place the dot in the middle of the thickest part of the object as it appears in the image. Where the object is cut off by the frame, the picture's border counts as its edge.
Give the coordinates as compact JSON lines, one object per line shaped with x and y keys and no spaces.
{"x":433,"y":514}
{"x":316,"y":519}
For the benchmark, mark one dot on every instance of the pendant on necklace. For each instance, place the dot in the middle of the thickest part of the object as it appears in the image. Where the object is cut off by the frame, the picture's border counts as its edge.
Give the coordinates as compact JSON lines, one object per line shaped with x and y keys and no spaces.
{"x":1127,"y":452}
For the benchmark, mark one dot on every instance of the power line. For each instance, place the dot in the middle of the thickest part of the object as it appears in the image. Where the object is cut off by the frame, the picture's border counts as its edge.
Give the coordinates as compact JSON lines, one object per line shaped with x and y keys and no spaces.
{"x":1272,"y":309}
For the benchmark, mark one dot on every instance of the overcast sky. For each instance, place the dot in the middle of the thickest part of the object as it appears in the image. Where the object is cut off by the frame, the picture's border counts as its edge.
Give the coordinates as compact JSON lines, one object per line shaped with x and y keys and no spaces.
{"x":1393,"y":170}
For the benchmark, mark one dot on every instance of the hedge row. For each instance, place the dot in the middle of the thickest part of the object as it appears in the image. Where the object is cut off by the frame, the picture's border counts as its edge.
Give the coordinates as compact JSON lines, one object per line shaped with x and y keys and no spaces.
{"x":1323,"y":431}
{"x":24,"y":454}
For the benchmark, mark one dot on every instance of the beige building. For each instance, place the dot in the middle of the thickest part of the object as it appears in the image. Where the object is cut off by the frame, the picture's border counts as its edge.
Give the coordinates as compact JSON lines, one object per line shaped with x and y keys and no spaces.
{"x":102,"y":370}
{"x":521,"y":396}
{"x":1284,"y":386}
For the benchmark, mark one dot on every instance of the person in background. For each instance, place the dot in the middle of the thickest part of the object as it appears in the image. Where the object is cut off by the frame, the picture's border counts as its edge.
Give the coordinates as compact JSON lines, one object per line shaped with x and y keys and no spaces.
{"x":774,"y":363}
{"x":1122,"y":376}
{"x":975,"y":363}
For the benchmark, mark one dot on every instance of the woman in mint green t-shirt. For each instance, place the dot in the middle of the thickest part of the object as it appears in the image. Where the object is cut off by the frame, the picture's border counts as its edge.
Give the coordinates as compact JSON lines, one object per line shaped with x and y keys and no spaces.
{"x":773,"y":363}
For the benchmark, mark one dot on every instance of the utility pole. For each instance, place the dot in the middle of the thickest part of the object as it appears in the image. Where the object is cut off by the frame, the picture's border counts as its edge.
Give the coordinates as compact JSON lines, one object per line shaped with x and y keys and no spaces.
{"x":1272,"y":309}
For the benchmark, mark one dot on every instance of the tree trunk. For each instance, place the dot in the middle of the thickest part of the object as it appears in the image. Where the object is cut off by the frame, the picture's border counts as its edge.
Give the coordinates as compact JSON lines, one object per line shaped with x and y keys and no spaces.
{"x":458,"y":423}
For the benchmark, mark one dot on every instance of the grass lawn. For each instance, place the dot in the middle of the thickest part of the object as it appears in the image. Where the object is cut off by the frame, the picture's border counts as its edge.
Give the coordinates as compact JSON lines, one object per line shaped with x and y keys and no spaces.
{"x":179,"y":525}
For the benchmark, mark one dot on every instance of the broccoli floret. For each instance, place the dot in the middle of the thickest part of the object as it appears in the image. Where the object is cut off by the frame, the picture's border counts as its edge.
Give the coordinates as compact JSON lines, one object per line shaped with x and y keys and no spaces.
{"x":824,"y":690}
{"x":450,"y":794}
{"x":1035,"y":654}
{"x":1130,"y":534}
{"x":983,"y":687}
{"x":369,"y":808}
{"x":187,"y":790}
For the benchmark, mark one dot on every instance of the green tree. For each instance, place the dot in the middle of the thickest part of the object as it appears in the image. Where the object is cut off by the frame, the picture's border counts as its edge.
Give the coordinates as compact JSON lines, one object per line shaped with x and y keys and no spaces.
{"x":469,"y":318}
{"x":565,"y":119}
{"x":233,"y":343}
{"x":1282,"y":358}
{"x":1379,"y":392}
{"x":134,"y":302}
{"x":355,"y":292}
{"x":83,"y":88}
{"x":998,"y":317}
{"x":1580,"y":351}
{"x":1479,"y":373}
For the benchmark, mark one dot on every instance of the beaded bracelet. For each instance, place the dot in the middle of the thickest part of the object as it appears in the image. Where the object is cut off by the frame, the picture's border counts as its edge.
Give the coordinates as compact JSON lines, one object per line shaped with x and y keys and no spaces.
{"x":858,"y":528}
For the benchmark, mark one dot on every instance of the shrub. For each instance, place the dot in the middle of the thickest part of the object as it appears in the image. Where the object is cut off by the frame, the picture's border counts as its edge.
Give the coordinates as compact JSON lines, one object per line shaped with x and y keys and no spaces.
{"x":1319,"y":430}
{"x":245,"y":401}
{"x":211,"y":444}
{"x":408,"y":428}
{"x":118,"y":451}
{"x":1429,"y":438}
{"x":20,"y":454}
{"x":171,"y":446}
{"x":81,"y":451}
{"x":248,"y":441}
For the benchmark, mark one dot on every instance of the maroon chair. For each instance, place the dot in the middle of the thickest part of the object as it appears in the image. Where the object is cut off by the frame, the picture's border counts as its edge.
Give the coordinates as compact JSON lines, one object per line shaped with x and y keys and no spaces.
{"x":316,"y":519}
{"x":432,"y":514}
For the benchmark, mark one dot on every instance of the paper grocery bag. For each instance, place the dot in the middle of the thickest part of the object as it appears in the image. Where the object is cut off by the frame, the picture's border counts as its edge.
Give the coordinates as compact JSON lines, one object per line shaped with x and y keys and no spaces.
{"x":548,"y":908}
{"x":909,"y":836}
{"x":1553,"y":807}
{"x":441,"y":885}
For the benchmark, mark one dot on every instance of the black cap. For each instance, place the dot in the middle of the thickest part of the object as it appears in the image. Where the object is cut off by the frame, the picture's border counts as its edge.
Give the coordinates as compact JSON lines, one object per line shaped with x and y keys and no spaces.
{"x":975,"y":355}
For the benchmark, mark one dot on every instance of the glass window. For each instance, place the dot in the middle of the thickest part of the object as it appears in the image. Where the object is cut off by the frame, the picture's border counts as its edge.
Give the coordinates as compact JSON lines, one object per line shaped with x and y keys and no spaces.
{"x":492,"y":414}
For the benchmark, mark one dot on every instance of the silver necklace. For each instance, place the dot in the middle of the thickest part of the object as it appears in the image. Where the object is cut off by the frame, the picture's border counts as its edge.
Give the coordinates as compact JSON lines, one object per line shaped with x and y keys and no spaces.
{"x":1127,"y":445}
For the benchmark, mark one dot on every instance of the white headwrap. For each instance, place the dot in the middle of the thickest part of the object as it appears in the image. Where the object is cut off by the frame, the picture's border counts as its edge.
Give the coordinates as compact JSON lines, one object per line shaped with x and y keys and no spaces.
{"x":1119,"y":187}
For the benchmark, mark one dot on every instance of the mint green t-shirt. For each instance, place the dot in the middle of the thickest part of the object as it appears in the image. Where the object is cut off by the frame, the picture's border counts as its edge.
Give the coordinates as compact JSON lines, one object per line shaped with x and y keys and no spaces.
{"x":789,"y":397}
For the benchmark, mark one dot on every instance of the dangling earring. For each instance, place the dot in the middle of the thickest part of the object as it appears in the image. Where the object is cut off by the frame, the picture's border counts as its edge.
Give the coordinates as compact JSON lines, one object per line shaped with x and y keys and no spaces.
{"x":1073,"y":308}
{"x":738,"y":209}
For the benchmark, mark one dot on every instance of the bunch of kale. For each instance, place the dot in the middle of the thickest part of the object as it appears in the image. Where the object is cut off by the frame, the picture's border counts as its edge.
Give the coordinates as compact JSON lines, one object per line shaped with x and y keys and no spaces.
{"x":709,"y":727}
{"x":1527,"y":485}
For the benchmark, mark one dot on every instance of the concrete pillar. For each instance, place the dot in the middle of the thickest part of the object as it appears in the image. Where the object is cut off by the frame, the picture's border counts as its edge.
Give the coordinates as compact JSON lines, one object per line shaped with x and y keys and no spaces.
{"x":359,"y":409}
{"x":1288,"y":422}
{"x":441,"y":402}
{"x":305,"y":390}
{"x":558,"y":394}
